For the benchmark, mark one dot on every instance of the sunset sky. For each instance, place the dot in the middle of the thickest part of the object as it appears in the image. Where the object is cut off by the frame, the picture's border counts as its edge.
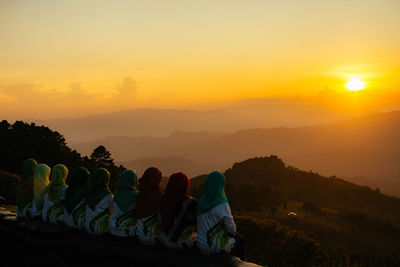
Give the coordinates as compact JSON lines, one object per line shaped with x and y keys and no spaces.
{"x":77,"y":57}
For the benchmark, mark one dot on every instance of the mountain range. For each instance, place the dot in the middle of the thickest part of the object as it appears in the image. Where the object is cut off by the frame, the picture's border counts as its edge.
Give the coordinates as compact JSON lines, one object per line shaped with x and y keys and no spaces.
{"x":246,"y":114}
{"x":364,"y":150}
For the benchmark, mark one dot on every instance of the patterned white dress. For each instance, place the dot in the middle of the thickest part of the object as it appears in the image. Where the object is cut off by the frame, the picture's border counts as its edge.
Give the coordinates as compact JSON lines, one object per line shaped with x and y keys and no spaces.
{"x":76,"y":218}
{"x":123,"y":223}
{"x":149,"y":229}
{"x":97,"y":220}
{"x":53,"y":212}
{"x":213,"y":228}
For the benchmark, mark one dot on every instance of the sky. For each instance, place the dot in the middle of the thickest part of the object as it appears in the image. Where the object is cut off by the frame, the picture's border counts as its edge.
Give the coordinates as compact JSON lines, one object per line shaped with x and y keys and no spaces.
{"x":77,"y":57}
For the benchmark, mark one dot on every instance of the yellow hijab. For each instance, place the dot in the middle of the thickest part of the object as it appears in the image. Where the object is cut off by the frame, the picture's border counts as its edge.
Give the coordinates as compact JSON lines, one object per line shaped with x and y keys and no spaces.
{"x":40,"y":182}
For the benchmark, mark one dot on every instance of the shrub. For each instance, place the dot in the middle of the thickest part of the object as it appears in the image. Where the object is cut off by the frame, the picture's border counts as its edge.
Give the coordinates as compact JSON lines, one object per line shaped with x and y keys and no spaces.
{"x":267,"y":242}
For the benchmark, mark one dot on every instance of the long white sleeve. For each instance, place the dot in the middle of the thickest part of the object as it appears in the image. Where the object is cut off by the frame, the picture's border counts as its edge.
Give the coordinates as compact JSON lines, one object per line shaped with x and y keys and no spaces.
{"x":228,"y":219}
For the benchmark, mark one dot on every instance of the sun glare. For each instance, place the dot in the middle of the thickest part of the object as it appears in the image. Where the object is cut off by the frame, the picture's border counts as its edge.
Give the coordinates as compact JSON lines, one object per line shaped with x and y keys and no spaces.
{"x":355,"y":84}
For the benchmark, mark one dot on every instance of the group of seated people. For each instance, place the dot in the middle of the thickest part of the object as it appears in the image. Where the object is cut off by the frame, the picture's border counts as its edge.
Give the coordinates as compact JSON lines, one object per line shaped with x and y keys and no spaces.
{"x":173,"y":218}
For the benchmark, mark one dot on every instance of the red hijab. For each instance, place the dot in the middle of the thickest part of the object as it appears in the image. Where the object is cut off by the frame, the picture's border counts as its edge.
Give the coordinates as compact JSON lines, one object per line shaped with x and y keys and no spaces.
{"x":150,"y":195}
{"x":177,"y":188}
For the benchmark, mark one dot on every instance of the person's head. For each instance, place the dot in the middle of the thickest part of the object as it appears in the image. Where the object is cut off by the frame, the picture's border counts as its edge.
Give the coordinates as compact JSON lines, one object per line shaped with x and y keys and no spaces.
{"x":151,"y":180}
{"x":128,"y":180}
{"x":42,"y":172}
{"x":100,"y":177}
{"x":214,"y":185}
{"x":28,"y":168}
{"x":80,"y":176}
{"x":214,"y":192}
{"x":59,"y":174}
{"x":178,"y":184}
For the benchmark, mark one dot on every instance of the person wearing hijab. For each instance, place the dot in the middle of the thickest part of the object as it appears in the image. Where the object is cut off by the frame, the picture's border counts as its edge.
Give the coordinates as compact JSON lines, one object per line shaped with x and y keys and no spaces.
{"x":75,"y":205}
{"x":123,"y":221}
{"x":99,"y":201}
{"x":148,"y":202}
{"x":53,"y":204}
{"x":40,"y":182}
{"x":216,"y":230}
{"x":25,"y":189}
{"x":178,"y":214}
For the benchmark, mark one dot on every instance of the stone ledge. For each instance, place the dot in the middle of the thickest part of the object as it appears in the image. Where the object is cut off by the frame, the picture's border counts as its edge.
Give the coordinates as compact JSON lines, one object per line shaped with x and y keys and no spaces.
{"x":102,"y":247}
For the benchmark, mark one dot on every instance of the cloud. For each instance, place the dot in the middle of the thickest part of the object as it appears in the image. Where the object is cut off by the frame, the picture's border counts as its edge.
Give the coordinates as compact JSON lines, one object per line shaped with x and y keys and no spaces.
{"x":26,"y":92}
{"x":76,"y":88}
{"x":77,"y":93}
{"x":128,"y":87}
{"x":18,"y":90}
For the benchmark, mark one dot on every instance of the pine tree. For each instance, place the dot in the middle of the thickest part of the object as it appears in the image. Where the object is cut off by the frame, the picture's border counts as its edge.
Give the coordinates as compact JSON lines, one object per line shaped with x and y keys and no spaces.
{"x":102,"y":157}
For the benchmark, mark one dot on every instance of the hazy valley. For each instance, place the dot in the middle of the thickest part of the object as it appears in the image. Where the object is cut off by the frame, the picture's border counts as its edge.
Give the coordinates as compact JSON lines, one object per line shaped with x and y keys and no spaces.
{"x":364,"y":150}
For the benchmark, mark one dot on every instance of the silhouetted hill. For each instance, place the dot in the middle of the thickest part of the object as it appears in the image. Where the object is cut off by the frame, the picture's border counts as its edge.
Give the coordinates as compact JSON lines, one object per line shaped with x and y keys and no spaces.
{"x":309,"y":187}
{"x":348,"y":220}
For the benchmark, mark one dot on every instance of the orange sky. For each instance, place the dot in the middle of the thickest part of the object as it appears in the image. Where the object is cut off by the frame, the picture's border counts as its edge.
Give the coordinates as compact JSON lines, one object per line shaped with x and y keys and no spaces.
{"x":70,"y":58}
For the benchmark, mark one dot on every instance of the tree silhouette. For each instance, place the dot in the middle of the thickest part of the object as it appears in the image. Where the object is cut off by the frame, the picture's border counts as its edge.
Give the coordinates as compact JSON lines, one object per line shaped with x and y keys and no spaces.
{"x":20,"y":141}
{"x":102,"y":157}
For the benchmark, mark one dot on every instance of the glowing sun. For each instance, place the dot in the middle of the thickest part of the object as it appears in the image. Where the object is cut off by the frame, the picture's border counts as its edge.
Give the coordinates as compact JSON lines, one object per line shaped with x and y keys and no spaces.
{"x":355,"y":84}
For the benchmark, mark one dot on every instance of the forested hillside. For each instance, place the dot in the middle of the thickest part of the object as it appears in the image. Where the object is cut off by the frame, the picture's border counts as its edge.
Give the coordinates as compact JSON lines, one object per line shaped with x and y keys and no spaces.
{"x":352,"y":223}
{"x":20,"y":141}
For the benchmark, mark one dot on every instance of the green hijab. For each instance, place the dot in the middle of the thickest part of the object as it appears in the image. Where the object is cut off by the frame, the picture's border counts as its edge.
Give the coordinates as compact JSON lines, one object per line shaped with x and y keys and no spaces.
{"x":77,"y":187}
{"x":57,"y":184}
{"x":40,"y":182}
{"x":98,"y":187}
{"x":25,"y":183}
{"x":126,"y":193}
{"x":214,"y":192}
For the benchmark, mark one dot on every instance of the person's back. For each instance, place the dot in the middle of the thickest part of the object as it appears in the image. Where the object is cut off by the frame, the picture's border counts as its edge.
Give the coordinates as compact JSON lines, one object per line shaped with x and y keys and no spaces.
{"x":40,"y":183}
{"x":216,"y":230}
{"x":213,"y":228}
{"x":123,"y":221}
{"x":178,"y":214}
{"x":25,"y":189}
{"x":148,"y":202}
{"x":75,"y":204}
{"x":53,"y":204}
{"x":98,"y":203}
{"x":97,"y":218}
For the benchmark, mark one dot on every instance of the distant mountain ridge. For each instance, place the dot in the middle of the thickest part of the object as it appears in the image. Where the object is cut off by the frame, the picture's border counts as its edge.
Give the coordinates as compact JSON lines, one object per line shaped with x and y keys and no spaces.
{"x":366,"y":147}
{"x":144,"y":122}
{"x":251,"y":113}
